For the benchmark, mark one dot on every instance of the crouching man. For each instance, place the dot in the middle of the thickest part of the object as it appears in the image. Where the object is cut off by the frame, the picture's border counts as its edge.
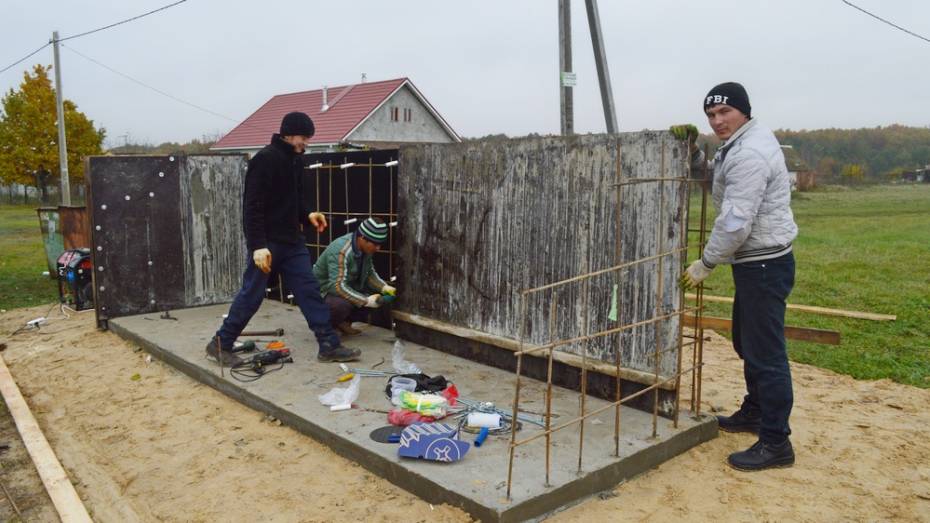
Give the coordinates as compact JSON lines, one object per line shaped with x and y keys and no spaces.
{"x":348,"y":281}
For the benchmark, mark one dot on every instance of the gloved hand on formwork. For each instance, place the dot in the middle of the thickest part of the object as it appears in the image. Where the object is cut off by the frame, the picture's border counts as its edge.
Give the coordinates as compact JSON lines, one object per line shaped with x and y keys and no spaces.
{"x":373,"y":301}
{"x":686,"y":132}
{"x":262,"y":259}
{"x":694,"y":274}
{"x":318,"y":220}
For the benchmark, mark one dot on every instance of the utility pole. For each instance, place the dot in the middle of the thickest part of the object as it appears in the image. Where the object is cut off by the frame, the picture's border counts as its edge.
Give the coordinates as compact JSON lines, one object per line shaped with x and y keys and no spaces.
{"x":62,"y":145}
{"x":566,"y":81}
{"x":600,"y":59}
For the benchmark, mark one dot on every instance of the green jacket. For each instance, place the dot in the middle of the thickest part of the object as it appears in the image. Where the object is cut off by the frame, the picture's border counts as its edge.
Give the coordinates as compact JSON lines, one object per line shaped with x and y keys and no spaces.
{"x":339,"y":273}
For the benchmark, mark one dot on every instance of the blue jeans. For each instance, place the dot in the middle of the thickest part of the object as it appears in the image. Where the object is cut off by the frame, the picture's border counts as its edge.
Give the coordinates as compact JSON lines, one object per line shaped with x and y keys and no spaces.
{"x":759,"y":338}
{"x":293,"y":263}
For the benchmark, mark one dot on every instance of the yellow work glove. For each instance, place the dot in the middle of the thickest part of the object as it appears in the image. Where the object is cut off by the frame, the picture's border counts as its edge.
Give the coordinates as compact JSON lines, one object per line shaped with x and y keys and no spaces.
{"x":373,"y":301}
{"x":695,"y":274}
{"x":686,"y":132}
{"x":390,"y":291}
{"x":262,"y":259}
{"x":318,"y":220}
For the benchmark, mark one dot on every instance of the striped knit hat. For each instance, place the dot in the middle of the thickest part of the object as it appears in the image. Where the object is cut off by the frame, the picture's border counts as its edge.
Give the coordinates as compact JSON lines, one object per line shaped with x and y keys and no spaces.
{"x":373,"y":231}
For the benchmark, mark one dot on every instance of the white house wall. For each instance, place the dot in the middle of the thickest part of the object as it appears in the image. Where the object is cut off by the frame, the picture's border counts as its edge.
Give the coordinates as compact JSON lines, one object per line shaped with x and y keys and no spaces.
{"x":422,"y":126}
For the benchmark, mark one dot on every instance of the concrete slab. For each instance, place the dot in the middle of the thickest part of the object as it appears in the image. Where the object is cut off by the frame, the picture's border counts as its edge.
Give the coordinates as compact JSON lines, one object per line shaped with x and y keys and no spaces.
{"x":477,"y":484}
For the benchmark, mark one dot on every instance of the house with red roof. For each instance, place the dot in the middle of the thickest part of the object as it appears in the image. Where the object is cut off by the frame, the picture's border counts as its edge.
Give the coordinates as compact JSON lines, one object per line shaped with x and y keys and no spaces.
{"x":376,"y":114}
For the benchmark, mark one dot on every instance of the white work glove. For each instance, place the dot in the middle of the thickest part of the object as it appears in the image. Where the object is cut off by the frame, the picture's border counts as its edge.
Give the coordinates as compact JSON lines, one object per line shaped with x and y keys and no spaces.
{"x":387,"y":289}
{"x":373,"y":301}
{"x":262,"y":259}
{"x":695,"y":274}
{"x":318,"y":220}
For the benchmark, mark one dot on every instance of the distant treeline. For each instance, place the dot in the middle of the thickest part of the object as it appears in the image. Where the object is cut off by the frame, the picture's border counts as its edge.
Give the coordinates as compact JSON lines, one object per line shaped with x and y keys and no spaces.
{"x":875,"y":155}
{"x":880,"y":153}
{"x":194,"y":146}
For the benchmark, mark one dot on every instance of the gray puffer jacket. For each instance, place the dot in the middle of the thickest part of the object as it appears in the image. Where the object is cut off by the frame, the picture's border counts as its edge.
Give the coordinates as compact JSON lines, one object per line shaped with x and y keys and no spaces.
{"x":752,"y":195}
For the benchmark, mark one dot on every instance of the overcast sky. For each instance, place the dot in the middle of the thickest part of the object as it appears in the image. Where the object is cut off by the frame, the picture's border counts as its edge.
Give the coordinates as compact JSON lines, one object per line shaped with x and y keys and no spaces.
{"x":487,"y":66}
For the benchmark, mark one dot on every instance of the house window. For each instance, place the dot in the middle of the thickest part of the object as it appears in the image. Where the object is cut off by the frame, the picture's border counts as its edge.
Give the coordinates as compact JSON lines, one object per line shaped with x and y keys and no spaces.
{"x":394,"y":114}
{"x":408,"y":115}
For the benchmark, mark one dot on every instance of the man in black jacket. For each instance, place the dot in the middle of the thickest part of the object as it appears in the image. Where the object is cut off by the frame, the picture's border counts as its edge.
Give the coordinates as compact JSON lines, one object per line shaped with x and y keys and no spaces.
{"x":273,"y":215}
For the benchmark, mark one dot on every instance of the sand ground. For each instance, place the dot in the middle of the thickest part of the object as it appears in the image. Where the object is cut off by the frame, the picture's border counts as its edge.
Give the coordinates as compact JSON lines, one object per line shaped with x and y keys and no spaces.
{"x":143,"y":442}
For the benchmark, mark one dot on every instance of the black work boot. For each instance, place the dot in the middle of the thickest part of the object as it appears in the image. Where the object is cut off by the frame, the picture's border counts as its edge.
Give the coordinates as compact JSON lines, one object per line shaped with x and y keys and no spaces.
{"x":740,"y":421}
{"x":761,"y":456}
{"x":226,"y":357}
{"x":339,"y":353}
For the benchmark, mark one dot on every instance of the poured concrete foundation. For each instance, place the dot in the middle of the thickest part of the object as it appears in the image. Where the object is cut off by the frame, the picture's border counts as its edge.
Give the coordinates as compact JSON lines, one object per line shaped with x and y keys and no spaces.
{"x":477,"y":484}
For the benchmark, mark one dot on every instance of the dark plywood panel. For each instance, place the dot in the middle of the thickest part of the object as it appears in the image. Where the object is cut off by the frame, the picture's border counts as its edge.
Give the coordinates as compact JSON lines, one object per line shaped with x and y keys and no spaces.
{"x":166,"y":231}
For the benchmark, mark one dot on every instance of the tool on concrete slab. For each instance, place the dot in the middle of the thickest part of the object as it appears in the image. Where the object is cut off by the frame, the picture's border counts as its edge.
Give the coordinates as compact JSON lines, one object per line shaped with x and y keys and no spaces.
{"x":167,"y":316}
{"x":261,"y":364}
{"x":276,"y":332}
{"x":243,"y":346}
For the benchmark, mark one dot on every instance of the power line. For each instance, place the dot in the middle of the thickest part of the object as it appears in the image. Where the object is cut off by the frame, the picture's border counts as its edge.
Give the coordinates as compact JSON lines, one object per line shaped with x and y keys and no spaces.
{"x":7,"y":68}
{"x":122,"y":22}
{"x":892,"y":24}
{"x":143,"y":84}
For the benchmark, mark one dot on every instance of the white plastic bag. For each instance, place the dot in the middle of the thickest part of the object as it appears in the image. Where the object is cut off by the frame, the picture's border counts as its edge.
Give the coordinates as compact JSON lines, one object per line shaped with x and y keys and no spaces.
{"x":401,"y":365}
{"x":338,"y":397}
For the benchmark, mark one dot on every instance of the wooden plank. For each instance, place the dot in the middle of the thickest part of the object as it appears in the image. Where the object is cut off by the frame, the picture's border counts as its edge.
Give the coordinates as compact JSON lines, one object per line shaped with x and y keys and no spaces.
{"x":68,"y":504}
{"x":826,"y":337}
{"x":512,"y":345}
{"x":825,"y":311}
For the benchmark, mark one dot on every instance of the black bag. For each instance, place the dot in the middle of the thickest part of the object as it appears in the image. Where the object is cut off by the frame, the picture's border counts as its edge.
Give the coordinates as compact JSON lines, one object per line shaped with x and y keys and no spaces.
{"x":424,"y":383}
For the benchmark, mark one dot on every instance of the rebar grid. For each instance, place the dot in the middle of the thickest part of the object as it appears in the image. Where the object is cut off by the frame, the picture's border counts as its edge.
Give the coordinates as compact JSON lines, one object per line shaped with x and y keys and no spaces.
{"x":696,"y":343}
{"x":391,"y":215}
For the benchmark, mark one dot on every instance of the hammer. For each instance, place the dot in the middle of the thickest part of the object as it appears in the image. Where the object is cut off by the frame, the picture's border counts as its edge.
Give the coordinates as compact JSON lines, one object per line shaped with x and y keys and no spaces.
{"x":276,"y":332}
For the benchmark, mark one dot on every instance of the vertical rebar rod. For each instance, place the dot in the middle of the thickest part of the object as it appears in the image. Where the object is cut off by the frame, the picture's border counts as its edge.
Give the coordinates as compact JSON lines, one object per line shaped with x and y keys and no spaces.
{"x":699,"y":316}
{"x":684,"y":199}
{"x":330,"y":181}
{"x":552,"y":326}
{"x":390,"y":229}
{"x":219,"y":356}
{"x":317,"y":178}
{"x":345,"y":179}
{"x":659,"y":288}
{"x":371,"y":208}
{"x":584,"y":368}
{"x":619,"y":255}
{"x":516,"y":393}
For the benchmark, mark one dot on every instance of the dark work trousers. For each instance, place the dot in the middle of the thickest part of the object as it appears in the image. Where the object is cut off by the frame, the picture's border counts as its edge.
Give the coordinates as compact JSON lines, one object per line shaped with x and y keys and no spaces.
{"x":341,"y":310}
{"x":759,"y":338}
{"x":293,"y":263}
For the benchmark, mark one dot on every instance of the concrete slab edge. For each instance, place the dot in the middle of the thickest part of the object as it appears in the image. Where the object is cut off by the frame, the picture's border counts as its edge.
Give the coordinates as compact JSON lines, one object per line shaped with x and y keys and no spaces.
{"x":609,"y":477}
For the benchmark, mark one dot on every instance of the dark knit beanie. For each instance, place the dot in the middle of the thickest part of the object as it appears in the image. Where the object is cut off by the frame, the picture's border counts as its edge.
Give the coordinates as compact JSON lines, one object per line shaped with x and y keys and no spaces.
{"x":729,"y":93}
{"x":373,"y":231}
{"x":297,"y":124}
